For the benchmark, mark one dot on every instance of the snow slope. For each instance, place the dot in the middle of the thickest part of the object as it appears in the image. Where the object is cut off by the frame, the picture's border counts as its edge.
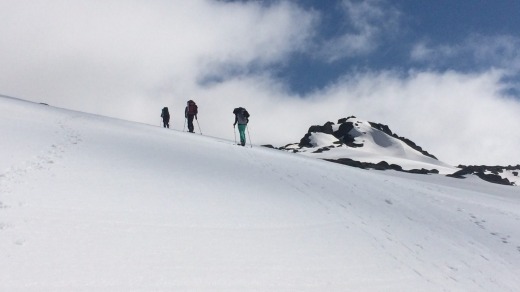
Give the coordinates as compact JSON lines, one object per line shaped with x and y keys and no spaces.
{"x":89,"y":203}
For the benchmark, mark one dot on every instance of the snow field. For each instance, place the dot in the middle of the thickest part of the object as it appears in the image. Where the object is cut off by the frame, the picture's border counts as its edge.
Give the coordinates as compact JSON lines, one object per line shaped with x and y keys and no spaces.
{"x":89,"y":203}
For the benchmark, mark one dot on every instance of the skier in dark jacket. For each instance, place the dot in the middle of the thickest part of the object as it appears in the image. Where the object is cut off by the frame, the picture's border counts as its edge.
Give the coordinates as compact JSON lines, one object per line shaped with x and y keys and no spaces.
{"x":191,"y":112}
{"x":165,"y":115}
{"x":241,"y":118}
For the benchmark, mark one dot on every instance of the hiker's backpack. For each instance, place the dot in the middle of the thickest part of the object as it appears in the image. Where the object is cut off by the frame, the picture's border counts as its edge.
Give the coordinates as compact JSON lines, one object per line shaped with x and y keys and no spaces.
{"x":165,"y":114}
{"x":242,"y":115}
{"x":192,"y":108}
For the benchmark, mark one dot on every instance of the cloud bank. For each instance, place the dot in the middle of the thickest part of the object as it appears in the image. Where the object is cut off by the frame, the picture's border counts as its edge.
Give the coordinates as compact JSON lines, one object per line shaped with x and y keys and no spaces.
{"x":365,"y":25}
{"x":128,"y":59}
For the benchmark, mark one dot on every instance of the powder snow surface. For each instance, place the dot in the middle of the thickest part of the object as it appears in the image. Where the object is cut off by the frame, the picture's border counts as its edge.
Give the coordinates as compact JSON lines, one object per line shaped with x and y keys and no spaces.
{"x":89,"y":203}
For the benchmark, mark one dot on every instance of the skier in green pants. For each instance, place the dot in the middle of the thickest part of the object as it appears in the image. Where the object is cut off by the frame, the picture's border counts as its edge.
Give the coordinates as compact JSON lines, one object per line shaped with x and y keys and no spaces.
{"x":241,"y":118}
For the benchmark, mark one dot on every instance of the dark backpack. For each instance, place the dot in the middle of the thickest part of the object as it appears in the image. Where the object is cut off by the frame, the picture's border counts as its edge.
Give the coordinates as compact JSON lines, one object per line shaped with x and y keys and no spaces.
{"x":241,"y":111}
{"x":192,"y":108}
{"x":242,"y":114}
{"x":245,"y":113}
{"x":165,"y":114}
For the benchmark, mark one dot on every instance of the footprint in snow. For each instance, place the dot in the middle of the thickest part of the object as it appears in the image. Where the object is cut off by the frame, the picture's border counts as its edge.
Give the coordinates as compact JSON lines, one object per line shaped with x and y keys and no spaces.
{"x":20,"y":242}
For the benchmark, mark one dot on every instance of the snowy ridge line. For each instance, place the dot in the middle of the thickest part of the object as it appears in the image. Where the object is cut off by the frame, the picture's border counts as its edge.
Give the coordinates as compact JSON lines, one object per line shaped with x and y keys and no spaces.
{"x":21,"y":99}
{"x":10,"y":97}
{"x":368,"y":145}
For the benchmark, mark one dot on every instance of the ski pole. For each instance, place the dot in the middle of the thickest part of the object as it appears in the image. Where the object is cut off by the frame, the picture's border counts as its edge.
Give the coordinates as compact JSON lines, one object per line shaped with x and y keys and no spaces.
{"x":250,"y":142}
{"x":198,"y":125}
{"x":184,"y":125}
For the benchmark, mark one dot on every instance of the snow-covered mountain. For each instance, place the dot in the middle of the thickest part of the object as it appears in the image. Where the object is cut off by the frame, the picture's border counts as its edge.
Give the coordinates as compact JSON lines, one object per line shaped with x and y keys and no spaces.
{"x":90,"y":203}
{"x":370,"y":145}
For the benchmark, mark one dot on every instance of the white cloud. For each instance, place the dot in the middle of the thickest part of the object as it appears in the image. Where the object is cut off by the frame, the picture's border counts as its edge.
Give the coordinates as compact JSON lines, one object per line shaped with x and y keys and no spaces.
{"x":479,"y":51}
{"x":84,"y":54}
{"x":367,"y":23}
{"x":424,"y":52}
{"x":502,"y":51}
{"x":128,"y":59}
{"x":461,"y":118}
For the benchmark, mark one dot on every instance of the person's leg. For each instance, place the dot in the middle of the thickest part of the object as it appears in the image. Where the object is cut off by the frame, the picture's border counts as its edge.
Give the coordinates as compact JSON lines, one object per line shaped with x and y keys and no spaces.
{"x":190,"y":123}
{"x":242,"y":130}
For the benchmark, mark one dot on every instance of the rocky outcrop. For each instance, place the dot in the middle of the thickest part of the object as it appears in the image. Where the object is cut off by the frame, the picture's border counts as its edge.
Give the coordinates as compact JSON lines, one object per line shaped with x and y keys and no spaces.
{"x":306,"y":141}
{"x":383,"y":165}
{"x":491,"y":174}
{"x":348,"y":129}
{"x":343,"y":134}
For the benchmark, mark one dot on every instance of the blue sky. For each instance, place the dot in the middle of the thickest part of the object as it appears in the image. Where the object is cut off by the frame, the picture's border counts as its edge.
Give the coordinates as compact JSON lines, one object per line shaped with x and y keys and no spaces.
{"x":443,"y":73}
{"x":441,"y":23}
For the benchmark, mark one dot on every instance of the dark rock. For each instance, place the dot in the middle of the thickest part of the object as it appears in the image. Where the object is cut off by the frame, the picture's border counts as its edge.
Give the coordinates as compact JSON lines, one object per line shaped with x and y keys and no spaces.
{"x":383,"y":165}
{"x":349,"y":162}
{"x":354,"y":145}
{"x":321,"y":150}
{"x":419,"y":171}
{"x":396,"y":167}
{"x":493,"y":178}
{"x":480,"y":171}
{"x":459,"y":174}
{"x":343,"y":133}
{"x":327,"y":128}
{"x":381,"y":127}
{"x":343,"y":120}
{"x":306,"y":141}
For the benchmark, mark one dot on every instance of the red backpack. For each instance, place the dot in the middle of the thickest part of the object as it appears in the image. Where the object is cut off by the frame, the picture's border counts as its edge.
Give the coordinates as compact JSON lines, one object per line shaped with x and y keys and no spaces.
{"x":192,"y":108}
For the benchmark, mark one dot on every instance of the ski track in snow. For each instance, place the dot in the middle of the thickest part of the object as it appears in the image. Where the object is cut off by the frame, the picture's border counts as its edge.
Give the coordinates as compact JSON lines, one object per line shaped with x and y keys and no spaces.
{"x":20,"y":174}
